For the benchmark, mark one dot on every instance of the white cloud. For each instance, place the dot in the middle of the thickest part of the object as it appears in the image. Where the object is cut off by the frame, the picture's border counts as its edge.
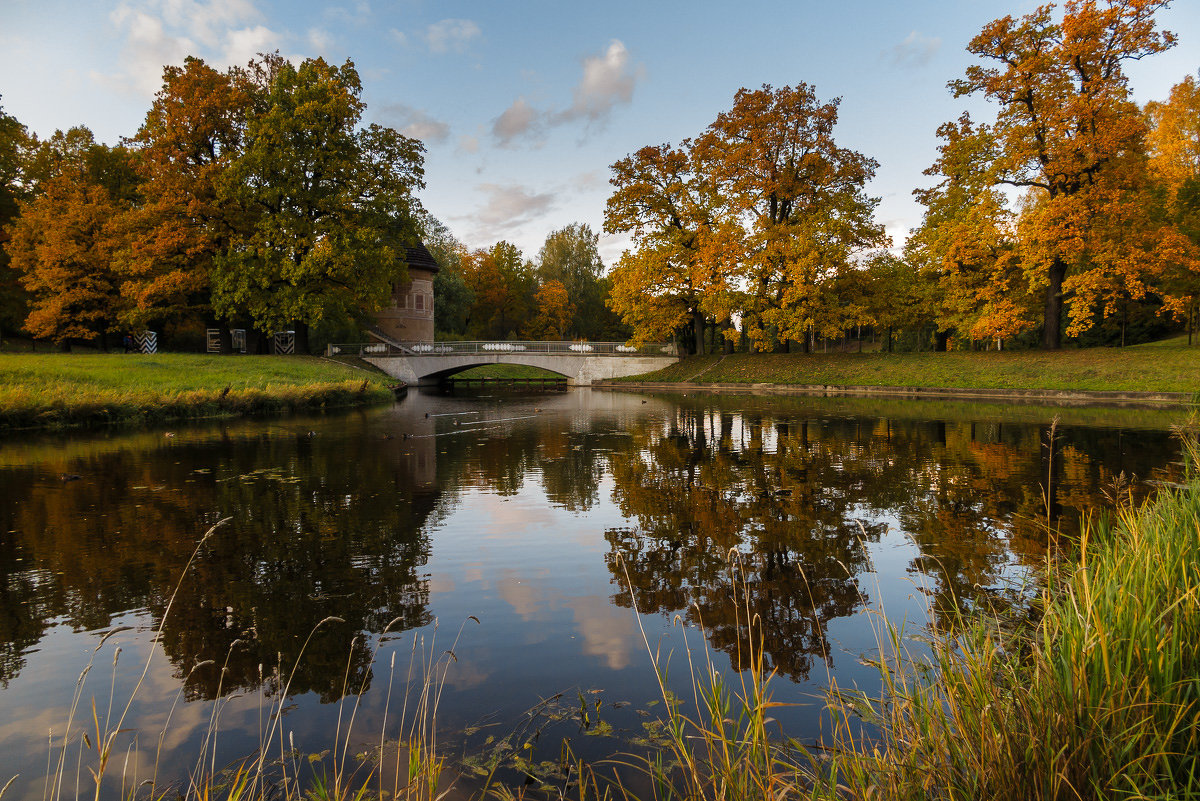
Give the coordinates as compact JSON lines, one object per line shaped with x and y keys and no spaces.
{"x":915,"y":51}
{"x":320,"y":40}
{"x":243,"y":45}
{"x":400,"y":37}
{"x":517,"y":121}
{"x":416,"y":123}
{"x":155,"y":33}
{"x":509,"y":207}
{"x":451,"y":35}
{"x":468,"y":144}
{"x":608,"y":81}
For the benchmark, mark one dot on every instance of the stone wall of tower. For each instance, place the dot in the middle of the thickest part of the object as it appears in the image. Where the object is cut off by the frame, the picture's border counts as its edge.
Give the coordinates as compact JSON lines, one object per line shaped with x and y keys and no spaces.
{"x":409,"y":317}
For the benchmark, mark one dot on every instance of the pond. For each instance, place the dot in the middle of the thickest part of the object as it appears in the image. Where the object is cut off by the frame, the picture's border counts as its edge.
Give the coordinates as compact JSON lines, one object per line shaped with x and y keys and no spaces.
{"x":529,"y":552}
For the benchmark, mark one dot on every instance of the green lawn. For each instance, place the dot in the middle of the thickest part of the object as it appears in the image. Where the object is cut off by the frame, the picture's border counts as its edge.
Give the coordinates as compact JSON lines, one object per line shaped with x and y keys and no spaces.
{"x":54,"y":389}
{"x":1160,"y":367}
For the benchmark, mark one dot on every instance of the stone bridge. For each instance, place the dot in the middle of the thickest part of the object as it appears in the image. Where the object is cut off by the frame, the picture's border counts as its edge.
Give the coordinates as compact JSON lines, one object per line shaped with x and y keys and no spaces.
{"x":428,"y":363}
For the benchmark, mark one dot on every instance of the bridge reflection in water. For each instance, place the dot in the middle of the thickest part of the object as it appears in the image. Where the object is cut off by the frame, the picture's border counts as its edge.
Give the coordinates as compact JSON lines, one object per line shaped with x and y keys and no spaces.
{"x":582,"y":363}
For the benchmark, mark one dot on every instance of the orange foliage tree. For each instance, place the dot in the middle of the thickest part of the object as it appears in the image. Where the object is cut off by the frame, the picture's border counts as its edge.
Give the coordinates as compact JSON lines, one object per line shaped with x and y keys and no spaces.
{"x":752,"y":220}
{"x":192,"y":133}
{"x":797,"y":203}
{"x":967,"y":242}
{"x":554,"y":312}
{"x":1067,"y":130}
{"x":1174,"y":144}
{"x":502,"y":283}
{"x":64,"y":241}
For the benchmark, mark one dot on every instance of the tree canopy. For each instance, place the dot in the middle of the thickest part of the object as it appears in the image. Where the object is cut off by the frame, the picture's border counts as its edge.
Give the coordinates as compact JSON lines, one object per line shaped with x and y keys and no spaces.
{"x":751,"y":220}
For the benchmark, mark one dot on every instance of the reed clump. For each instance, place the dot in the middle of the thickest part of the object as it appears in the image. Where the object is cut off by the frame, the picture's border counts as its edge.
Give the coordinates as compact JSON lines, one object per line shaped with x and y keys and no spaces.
{"x":1099,"y":698}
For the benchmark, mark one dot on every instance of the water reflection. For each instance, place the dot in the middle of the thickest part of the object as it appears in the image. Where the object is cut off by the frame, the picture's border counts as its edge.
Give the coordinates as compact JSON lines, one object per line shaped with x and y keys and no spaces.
{"x":798,"y":499}
{"x":533,"y":513}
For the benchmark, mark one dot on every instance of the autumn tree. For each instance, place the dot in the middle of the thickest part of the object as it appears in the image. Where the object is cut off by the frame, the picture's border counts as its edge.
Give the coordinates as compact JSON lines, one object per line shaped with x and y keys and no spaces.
{"x":1067,"y":129}
{"x":554,"y":312}
{"x":64,"y":240}
{"x":967,"y":242}
{"x":750,"y":220}
{"x":192,"y":133}
{"x":1174,"y":145}
{"x":898,"y":296}
{"x":662,"y":281}
{"x":799,"y":202}
{"x":503,"y":284}
{"x":332,"y":205}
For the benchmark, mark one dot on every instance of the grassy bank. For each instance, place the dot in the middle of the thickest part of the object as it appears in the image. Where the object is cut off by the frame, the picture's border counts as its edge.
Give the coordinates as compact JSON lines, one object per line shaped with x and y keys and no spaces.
{"x":1166,"y":368}
{"x":57,"y":390}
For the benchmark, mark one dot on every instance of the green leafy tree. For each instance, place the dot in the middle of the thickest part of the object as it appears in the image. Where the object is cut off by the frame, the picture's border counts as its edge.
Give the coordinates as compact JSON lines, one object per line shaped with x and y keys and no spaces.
{"x":331,"y":206}
{"x":571,"y":256}
{"x":454,"y":298}
{"x":14,"y":145}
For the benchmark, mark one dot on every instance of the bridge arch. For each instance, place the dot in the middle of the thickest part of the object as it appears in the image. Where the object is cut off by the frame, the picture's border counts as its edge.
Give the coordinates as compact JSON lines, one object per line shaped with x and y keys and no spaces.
{"x":425,"y":363}
{"x":450,"y":372}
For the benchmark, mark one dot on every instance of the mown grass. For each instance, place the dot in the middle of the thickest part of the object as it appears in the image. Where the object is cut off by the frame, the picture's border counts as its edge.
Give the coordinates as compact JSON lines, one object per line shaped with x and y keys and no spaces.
{"x":60,"y":390}
{"x":1165,"y":368}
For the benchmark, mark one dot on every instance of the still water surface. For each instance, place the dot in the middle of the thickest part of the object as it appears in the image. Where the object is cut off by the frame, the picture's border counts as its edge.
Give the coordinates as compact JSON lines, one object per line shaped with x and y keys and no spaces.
{"x":509,"y":529}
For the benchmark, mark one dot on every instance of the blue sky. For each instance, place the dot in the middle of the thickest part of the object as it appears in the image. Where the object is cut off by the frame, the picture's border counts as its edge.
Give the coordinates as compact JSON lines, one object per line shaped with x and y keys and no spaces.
{"x":523,"y":105}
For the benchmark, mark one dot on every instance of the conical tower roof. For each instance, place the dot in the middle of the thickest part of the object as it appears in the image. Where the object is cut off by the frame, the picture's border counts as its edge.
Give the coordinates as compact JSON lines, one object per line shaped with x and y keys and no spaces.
{"x":418,"y":257}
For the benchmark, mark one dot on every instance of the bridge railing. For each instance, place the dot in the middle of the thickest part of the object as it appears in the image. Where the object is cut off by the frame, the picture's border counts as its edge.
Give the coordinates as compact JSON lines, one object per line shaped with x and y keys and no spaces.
{"x":565,"y":348}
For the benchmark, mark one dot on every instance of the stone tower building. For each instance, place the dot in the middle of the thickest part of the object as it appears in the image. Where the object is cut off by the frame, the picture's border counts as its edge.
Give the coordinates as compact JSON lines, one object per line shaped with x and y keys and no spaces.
{"x":409,"y":318}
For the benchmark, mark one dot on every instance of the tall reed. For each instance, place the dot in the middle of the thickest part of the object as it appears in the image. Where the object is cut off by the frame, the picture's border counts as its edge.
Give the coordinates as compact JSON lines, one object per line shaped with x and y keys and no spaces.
{"x":1097,"y":699}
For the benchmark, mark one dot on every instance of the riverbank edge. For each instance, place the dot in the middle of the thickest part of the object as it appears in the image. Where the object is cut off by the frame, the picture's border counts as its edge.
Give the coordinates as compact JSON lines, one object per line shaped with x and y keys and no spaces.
{"x":155,"y":409}
{"x":1063,"y":397}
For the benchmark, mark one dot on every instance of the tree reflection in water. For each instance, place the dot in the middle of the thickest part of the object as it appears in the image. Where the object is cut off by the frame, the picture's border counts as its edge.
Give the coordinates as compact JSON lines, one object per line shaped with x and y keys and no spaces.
{"x":312,"y":534}
{"x":341,"y":524}
{"x":799,"y":497}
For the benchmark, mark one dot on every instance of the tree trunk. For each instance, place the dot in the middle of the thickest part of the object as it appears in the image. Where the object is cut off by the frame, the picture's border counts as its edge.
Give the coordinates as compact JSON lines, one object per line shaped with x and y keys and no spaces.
{"x":698,"y":325}
{"x":301,"y":329}
{"x":941,"y":340}
{"x":889,"y":339}
{"x":1052,"y":325}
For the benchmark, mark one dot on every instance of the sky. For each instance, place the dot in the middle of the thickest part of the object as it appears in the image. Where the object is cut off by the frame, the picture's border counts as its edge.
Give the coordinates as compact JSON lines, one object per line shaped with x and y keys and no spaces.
{"x":523,"y":105}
